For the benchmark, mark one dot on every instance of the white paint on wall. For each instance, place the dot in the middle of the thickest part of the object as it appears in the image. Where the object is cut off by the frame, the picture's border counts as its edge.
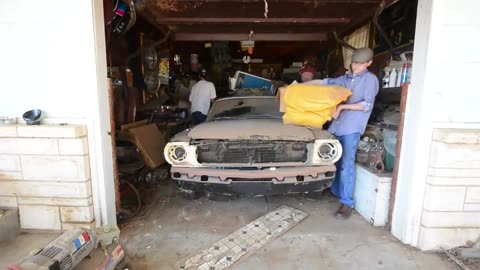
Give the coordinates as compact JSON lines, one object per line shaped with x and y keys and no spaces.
{"x":442,"y":95}
{"x":417,"y":132}
{"x":52,"y":57}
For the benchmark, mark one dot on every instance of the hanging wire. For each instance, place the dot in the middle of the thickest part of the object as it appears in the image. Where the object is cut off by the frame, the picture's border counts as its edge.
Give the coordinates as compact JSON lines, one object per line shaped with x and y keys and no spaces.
{"x":266,"y":9}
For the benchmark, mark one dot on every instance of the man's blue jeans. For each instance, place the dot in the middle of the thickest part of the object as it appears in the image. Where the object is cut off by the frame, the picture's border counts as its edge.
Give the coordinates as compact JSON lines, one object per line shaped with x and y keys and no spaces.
{"x":198,"y":118}
{"x":344,"y":183}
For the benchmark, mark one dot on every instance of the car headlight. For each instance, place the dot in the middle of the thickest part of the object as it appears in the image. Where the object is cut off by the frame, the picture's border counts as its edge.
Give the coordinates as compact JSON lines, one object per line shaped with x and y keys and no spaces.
{"x":177,"y":153}
{"x":327,"y":152}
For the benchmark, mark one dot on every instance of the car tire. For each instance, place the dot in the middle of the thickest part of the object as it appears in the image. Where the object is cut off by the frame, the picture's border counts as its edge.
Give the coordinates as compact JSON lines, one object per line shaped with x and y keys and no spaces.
{"x":220,"y":197}
{"x":315,"y":195}
{"x":161,"y":173}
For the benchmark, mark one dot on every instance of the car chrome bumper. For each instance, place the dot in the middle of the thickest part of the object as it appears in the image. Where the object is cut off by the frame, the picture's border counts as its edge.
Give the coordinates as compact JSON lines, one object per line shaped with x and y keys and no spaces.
{"x":289,"y":175}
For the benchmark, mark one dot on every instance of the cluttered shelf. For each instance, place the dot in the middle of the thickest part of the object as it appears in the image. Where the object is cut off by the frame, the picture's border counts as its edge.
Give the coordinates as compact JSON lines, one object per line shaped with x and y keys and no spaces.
{"x":389,"y":95}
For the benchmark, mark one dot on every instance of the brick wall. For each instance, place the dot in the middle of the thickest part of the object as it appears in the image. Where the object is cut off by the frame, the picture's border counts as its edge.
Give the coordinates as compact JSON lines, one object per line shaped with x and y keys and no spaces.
{"x":45,"y":173}
{"x":451,"y":210}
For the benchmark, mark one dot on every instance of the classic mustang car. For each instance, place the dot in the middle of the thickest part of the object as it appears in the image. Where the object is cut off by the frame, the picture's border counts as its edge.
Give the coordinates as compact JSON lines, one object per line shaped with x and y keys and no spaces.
{"x":245,"y":149}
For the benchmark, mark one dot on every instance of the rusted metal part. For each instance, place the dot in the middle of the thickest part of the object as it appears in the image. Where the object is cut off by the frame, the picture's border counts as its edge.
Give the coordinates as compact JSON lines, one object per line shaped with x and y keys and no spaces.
{"x":371,"y":156}
{"x":278,"y":173}
{"x":371,"y":151}
{"x":114,"y":145}
{"x":393,"y":191}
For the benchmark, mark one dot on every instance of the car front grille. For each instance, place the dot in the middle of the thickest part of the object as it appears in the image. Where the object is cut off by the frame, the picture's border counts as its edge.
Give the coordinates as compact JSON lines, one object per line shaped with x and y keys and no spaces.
{"x":251,"y":152}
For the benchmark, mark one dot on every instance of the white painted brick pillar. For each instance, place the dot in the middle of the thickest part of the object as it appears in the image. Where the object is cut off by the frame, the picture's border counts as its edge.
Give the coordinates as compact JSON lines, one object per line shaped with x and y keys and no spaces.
{"x":61,"y":97}
{"x":45,"y":172}
{"x":436,"y":203}
{"x":451,"y":210}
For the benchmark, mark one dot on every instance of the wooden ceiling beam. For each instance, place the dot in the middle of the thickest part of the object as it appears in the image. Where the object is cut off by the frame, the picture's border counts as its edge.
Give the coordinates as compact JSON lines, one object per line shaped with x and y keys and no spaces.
{"x":180,"y":20}
{"x":256,"y":37}
{"x":246,"y":28}
{"x":289,"y":1}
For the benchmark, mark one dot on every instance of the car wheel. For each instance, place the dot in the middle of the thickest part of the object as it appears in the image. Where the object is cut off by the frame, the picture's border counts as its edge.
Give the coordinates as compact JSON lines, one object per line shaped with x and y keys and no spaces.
{"x":220,"y":197}
{"x":315,"y":195}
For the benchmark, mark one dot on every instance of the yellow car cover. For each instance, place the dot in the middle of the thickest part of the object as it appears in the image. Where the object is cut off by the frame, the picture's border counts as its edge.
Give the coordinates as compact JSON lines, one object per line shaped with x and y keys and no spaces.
{"x":312,"y":105}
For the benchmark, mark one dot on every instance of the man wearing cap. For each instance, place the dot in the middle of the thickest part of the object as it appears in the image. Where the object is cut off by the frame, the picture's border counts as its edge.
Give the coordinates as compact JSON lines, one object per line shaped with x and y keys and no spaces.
{"x":307,"y":73}
{"x":350,"y":121}
{"x":201,"y":96}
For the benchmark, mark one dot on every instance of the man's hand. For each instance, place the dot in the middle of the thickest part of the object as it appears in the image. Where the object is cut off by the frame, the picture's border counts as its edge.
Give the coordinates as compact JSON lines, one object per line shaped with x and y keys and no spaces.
{"x":337,"y":112}
{"x":317,"y":82}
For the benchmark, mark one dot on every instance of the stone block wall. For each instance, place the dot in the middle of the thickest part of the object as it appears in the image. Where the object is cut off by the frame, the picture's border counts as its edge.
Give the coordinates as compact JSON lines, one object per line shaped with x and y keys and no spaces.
{"x":45,"y":173}
{"x":451,"y":210}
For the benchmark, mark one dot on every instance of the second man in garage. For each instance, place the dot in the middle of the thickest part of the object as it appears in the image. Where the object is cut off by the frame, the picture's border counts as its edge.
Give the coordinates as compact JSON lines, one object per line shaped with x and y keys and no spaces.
{"x":202,"y":95}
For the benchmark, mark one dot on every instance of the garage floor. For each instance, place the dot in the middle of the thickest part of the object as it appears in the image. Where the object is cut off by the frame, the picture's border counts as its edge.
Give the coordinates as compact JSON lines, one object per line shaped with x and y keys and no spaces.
{"x":174,"y":228}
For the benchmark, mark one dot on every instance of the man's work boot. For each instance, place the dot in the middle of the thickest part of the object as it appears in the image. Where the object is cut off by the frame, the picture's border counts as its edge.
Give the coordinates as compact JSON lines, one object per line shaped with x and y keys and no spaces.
{"x":344,"y":212}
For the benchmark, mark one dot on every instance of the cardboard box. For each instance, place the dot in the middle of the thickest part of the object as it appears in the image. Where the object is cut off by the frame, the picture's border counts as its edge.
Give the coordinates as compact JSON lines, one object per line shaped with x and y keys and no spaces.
{"x":149,"y":140}
{"x":129,"y":126}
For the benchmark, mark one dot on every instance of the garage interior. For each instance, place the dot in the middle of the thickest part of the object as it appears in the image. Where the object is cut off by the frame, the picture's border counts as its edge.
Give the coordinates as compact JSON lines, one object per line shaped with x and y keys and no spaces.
{"x":154,"y":50}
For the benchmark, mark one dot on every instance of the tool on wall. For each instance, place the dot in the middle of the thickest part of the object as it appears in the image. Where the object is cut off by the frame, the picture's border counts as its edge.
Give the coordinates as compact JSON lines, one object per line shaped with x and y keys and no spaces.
{"x":124,"y":17}
{"x":150,"y":57}
{"x":150,"y":67}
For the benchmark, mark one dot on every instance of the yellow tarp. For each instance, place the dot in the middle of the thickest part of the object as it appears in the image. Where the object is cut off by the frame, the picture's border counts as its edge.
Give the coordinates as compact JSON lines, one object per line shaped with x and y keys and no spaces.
{"x":312,"y":105}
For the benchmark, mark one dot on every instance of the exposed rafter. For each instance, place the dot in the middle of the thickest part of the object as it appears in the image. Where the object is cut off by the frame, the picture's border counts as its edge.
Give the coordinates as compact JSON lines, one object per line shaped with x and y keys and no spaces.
{"x":288,"y":20}
{"x":180,"y":20}
{"x":257,"y":37}
{"x":289,"y":1}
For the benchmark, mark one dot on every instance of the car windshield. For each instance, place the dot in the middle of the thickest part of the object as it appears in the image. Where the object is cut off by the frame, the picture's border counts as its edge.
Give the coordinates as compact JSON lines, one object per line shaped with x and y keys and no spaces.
{"x":245,"y":108}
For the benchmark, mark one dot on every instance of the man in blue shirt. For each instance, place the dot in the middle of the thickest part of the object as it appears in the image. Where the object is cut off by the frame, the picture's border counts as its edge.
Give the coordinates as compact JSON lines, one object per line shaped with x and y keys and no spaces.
{"x":350,"y":121}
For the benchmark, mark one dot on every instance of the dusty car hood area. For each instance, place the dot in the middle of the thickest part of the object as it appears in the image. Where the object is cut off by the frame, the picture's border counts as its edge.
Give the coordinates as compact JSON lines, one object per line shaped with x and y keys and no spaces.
{"x":251,"y":129}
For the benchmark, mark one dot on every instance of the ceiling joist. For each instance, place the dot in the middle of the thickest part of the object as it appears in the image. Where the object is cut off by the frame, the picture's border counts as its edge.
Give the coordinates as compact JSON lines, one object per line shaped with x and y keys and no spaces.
{"x":179,"y":20}
{"x":290,"y":1}
{"x":256,"y":37}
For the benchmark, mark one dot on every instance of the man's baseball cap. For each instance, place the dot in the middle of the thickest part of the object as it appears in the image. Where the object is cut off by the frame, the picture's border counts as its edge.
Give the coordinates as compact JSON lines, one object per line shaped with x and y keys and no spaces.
{"x":362,"y":55}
